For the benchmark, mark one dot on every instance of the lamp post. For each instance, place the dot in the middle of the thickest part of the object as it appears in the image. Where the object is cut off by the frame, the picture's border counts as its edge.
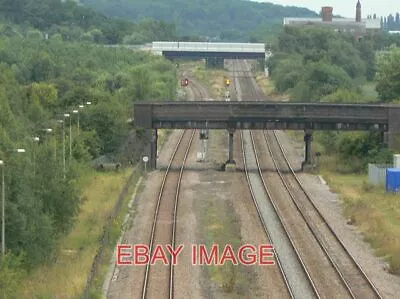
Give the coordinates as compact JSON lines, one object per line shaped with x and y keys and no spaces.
{"x":3,"y":202}
{"x":67,"y":115}
{"x":63,"y":147}
{"x":80,"y":107}
{"x":49,"y":131}
{"x":35,"y":141}
{"x":76,"y":111}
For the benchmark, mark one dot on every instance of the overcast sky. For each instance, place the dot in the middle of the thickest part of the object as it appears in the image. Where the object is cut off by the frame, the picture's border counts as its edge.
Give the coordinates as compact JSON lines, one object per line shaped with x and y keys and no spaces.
{"x":346,"y":8}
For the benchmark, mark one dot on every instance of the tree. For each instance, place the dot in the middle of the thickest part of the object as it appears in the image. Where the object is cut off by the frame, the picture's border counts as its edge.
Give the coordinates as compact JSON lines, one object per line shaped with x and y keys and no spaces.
{"x":343,"y":96}
{"x":141,"y":77}
{"x":388,"y":86}
{"x":44,"y":94}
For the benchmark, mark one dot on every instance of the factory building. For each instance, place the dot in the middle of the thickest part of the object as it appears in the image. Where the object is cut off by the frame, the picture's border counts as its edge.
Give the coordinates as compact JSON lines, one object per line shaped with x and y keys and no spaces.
{"x":357,"y":26}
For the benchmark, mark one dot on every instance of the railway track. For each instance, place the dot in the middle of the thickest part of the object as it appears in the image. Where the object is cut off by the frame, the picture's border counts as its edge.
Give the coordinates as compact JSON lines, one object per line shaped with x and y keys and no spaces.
{"x":295,"y":288}
{"x":344,"y":270}
{"x":350,"y":272}
{"x":263,"y":224}
{"x":158,"y":279}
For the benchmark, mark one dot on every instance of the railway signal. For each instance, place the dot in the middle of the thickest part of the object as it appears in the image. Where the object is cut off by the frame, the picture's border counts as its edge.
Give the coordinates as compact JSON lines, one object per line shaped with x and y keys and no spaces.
{"x":185,"y":82}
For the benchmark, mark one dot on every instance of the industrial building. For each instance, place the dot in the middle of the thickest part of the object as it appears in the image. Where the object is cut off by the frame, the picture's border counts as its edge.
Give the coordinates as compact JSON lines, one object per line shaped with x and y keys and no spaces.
{"x":358,"y":26}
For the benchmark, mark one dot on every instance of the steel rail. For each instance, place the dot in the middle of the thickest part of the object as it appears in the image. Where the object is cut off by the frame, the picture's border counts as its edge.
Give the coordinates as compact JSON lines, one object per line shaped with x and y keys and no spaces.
{"x":175,"y":214}
{"x":303,"y":266}
{"x":156,"y":212}
{"x":282,"y":271}
{"x":285,"y":183}
{"x":175,"y":211}
{"x":338,"y":268}
{"x":259,"y":96}
{"x":302,"y":263}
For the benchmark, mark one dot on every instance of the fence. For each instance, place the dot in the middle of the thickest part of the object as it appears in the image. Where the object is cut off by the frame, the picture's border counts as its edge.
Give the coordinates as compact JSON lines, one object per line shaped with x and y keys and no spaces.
{"x":377,"y":173}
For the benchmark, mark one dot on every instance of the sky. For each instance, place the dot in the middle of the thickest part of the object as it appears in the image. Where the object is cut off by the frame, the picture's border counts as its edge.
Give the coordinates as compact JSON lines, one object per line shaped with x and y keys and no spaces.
{"x":345,"y":8}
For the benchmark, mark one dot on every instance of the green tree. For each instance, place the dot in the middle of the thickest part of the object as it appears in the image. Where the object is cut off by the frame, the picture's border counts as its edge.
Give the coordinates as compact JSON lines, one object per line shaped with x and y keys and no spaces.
{"x":142,"y":82}
{"x":388,"y":77}
{"x":11,"y":275}
{"x":343,"y":96}
{"x":319,"y":80}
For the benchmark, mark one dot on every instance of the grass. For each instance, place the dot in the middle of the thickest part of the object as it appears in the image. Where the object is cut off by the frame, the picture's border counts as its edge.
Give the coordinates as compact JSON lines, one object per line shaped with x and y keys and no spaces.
{"x":66,"y":278}
{"x":375,"y":212}
{"x":214,"y":79}
{"x":217,"y":231}
{"x":115,"y":233}
{"x":268,"y":87}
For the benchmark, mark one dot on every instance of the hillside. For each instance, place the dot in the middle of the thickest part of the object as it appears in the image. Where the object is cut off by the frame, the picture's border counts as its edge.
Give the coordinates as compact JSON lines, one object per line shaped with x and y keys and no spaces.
{"x":75,"y":22}
{"x":221,"y":19}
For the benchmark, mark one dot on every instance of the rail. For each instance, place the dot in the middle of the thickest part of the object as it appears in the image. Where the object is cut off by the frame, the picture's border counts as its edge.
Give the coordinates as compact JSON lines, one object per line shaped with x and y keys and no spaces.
{"x":341,"y":259}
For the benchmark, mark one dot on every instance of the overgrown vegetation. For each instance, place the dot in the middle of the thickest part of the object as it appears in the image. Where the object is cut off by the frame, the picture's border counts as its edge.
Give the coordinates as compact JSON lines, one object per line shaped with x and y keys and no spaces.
{"x":41,"y":80}
{"x":388,"y":85}
{"x":321,"y":65}
{"x":75,"y":251}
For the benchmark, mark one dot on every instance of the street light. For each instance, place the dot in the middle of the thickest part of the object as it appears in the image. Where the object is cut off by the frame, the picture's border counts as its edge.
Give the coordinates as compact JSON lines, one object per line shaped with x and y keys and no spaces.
{"x":3,"y":202}
{"x":63,"y":141}
{"x":76,"y":112}
{"x":67,"y":115}
{"x":35,"y":141}
{"x":49,"y":131}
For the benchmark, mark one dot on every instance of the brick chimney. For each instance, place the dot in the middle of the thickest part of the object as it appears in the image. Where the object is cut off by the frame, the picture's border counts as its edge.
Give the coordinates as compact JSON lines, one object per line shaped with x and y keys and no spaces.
{"x":327,"y":13}
{"x":358,"y":11}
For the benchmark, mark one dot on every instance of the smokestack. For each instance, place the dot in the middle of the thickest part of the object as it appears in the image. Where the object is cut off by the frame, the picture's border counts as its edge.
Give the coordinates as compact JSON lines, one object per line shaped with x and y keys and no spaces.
{"x":358,"y":11}
{"x":327,"y":13}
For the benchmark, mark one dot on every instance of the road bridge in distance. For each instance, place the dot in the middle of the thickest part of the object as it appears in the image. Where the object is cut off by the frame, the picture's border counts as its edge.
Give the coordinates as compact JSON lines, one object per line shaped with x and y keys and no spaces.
{"x":214,"y":53}
{"x":262,"y":115}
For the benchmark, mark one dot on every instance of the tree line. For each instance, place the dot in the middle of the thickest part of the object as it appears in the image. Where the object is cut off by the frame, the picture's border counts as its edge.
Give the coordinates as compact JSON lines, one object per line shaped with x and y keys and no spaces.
{"x":40,"y":81}
{"x":70,"y":21}
{"x":321,"y":65}
{"x":227,"y":20}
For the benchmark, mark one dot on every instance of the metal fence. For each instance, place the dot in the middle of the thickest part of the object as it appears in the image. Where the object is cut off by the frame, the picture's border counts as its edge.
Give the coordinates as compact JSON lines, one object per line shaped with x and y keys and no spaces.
{"x":377,"y":173}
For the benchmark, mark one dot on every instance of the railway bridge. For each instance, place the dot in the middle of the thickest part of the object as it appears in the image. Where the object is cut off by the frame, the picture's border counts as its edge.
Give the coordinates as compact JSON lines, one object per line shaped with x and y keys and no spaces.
{"x":260,"y":115}
{"x":213,"y":53}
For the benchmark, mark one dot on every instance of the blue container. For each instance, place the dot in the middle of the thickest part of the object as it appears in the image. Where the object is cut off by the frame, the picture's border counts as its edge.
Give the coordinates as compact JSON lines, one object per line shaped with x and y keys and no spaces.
{"x":393,"y":180}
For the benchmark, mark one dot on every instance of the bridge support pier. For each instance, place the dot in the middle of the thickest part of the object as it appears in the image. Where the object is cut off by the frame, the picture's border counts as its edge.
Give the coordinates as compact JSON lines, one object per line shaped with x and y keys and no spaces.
{"x":230,"y":144}
{"x":307,"y":163}
{"x":151,"y":148}
{"x":215,"y":62}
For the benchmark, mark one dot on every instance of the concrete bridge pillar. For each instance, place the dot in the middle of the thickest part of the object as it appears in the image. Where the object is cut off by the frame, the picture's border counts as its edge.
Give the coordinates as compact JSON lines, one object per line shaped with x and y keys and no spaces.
{"x":230,"y":142}
{"x":393,"y":134}
{"x":307,"y":163}
{"x":151,"y":148}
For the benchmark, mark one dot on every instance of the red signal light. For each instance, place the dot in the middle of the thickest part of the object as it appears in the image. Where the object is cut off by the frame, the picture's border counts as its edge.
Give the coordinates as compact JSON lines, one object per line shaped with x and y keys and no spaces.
{"x":185,"y":82}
